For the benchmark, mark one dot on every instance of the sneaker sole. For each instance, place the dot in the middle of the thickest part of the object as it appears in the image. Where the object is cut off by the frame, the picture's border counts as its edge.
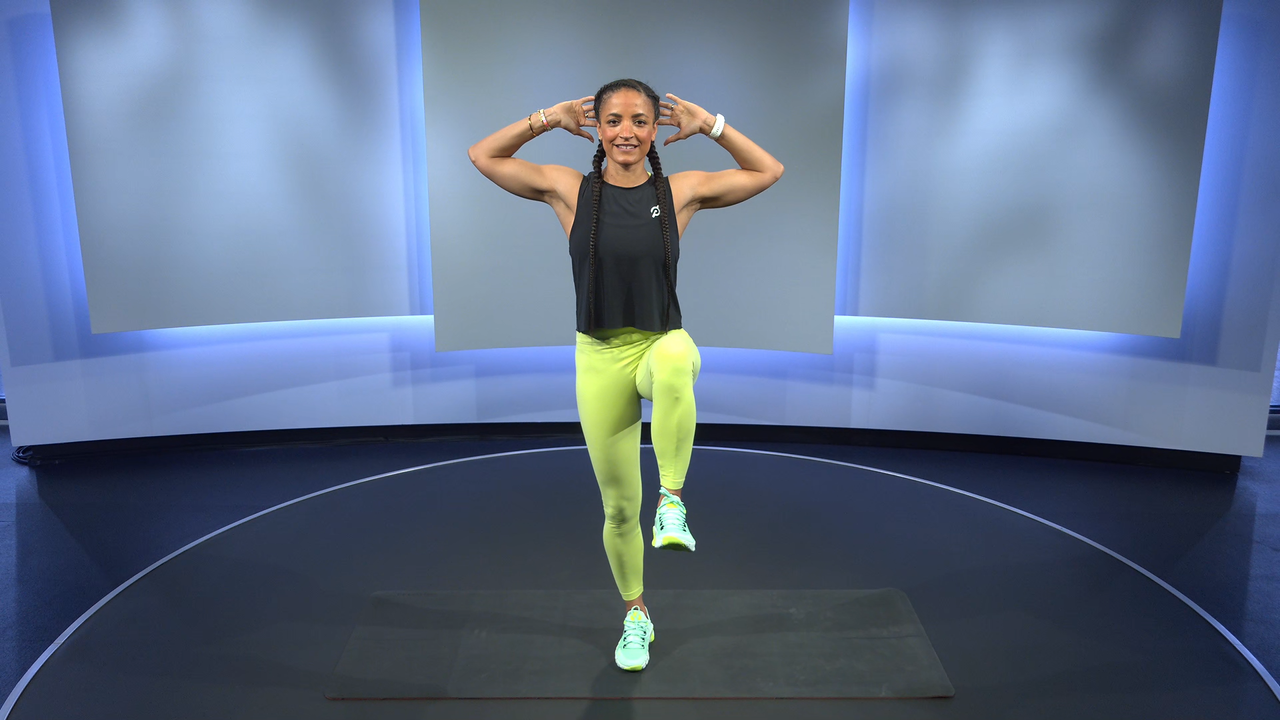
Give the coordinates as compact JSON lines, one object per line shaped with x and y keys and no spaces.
{"x":671,"y":542}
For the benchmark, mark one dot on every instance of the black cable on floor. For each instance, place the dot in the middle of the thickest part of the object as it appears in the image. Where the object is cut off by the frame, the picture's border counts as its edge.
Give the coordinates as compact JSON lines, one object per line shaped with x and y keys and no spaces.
{"x":22,"y":455}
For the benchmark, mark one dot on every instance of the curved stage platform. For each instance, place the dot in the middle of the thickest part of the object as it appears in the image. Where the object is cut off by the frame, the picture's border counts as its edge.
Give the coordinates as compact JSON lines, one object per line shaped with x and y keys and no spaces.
{"x":1027,"y":618}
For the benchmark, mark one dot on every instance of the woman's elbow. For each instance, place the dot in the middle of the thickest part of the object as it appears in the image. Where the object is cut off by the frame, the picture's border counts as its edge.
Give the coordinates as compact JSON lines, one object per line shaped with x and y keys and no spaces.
{"x":776,"y":174}
{"x":482,"y":161}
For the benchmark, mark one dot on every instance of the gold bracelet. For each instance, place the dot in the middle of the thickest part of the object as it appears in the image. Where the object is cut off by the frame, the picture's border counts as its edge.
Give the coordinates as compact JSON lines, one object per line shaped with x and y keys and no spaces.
{"x":530,"y":120}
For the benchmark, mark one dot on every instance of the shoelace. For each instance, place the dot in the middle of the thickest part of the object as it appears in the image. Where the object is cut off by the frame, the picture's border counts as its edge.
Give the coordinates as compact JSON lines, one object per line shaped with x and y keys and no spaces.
{"x":672,"y":515}
{"x":634,"y":632}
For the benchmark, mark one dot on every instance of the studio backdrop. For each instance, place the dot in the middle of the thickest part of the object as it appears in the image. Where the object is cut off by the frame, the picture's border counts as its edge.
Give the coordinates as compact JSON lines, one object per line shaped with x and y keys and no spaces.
{"x":203,"y":161}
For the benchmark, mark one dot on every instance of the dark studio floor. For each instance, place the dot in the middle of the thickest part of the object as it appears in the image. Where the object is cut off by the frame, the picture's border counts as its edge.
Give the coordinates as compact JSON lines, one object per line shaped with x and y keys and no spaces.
{"x":1027,"y":620}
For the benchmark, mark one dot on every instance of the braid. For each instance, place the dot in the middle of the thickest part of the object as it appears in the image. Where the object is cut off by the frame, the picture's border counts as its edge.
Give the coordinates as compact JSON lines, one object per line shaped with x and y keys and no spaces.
{"x":660,"y":184}
{"x":596,"y":181}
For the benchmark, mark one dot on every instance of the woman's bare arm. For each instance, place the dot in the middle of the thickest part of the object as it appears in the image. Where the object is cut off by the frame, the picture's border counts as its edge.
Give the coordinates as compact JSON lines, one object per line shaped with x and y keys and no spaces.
{"x":493,"y":156}
{"x":757,"y":169}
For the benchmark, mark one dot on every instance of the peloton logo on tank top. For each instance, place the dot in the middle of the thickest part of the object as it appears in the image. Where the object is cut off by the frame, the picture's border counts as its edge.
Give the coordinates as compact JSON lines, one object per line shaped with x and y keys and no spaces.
{"x":654,"y":211}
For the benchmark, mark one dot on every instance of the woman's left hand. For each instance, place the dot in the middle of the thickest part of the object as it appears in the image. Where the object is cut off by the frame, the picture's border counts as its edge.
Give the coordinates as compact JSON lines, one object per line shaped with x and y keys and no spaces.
{"x":687,"y":117}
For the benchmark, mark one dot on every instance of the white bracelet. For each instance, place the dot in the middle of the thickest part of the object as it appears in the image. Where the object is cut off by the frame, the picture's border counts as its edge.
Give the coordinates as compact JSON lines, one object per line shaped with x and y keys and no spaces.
{"x":718,"y":128}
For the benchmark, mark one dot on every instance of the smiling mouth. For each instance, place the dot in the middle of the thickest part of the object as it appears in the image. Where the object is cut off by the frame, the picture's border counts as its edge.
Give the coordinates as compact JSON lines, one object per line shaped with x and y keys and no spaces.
{"x":626,"y":147}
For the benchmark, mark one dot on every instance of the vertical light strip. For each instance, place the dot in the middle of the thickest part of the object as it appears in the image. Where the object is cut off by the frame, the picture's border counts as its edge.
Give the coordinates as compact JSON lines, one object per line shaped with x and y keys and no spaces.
{"x":413,"y":143}
{"x":853,"y":157}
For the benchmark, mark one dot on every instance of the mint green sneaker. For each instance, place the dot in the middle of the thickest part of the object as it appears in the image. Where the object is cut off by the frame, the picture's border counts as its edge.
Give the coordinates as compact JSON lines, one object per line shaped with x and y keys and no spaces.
{"x":670,"y":526}
{"x":633,"y":649}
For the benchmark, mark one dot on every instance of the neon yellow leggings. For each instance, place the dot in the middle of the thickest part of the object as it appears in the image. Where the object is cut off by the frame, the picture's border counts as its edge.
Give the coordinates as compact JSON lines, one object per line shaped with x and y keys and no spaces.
{"x":616,"y":368}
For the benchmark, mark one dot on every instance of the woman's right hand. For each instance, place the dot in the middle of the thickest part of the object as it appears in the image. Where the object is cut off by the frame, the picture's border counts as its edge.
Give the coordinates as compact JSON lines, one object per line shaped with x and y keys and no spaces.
{"x":573,"y":115}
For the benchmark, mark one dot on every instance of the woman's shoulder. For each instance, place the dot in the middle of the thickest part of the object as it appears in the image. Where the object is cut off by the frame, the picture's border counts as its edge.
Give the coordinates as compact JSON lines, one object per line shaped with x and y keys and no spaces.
{"x":683,"y":180}
{"x":564,"y":172}
{"x":566,"y":180}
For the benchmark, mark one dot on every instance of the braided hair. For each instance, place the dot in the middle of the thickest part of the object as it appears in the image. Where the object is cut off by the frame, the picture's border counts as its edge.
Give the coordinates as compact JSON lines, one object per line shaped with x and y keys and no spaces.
{"x":660,"y":184}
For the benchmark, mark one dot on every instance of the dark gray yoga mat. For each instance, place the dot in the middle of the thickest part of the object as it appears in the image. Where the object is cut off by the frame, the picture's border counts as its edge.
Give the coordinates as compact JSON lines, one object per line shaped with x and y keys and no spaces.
{"x":708,"y":644}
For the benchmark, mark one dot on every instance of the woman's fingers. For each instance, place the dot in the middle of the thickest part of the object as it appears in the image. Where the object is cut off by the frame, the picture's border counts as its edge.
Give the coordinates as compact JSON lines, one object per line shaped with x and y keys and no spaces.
{"x":680,"y":114}
{"x":577,"y":114}
{"x":684,"y":133}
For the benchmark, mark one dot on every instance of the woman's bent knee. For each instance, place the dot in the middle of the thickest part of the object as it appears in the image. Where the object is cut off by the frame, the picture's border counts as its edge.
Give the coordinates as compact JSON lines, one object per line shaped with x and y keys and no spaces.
{"x":619,"y":517}
{"x":673,"y":365}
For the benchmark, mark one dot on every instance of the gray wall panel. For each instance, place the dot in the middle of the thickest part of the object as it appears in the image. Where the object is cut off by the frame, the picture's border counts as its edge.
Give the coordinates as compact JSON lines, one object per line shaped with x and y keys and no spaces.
{"x":1035,"y":163}
{"x":757,"y":275}
{"x":235,"y":161}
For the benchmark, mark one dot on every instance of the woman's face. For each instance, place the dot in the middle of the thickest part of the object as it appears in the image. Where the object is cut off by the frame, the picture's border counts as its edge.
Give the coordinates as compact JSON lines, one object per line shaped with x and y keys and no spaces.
{"x":626,"y":126}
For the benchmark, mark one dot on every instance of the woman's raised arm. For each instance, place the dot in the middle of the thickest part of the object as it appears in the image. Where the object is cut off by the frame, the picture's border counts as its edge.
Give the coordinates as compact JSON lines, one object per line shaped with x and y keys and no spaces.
{"x":757,"y":169}
{"x":492,"y":156}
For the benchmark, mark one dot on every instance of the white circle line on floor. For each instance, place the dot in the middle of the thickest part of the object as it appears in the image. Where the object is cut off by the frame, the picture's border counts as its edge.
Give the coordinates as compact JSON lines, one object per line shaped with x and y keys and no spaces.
{"x":1235,"y":642}
{"x":35,"y":667}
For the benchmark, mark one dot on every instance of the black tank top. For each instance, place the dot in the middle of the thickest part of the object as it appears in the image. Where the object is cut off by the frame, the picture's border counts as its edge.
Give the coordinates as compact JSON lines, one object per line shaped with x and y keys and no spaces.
{"x":630,"y":288}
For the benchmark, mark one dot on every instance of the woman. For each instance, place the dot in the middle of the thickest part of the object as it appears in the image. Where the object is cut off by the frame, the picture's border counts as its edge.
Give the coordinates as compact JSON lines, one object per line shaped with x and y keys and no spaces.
{"x":630,"y":341}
